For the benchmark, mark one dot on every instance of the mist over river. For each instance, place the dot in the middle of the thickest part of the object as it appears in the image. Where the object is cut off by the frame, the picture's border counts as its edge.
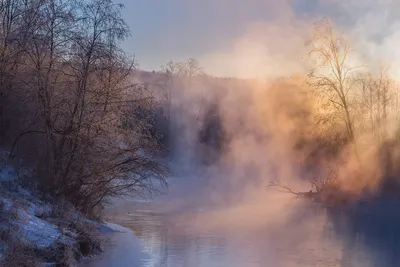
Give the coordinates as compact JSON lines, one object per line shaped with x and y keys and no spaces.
{"x":179,"y":230}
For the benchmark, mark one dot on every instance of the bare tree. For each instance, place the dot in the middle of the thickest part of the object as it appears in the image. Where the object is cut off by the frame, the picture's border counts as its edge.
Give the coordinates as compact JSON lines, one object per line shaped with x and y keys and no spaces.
{"x":332,"y":76}
{"x":376,"y":101}
{"x":187,"y":70}
{"x":82,"y":90}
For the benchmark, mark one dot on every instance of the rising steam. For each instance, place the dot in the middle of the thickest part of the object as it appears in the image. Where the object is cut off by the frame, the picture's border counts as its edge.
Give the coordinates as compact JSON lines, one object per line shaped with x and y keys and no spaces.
{"x":277,"y":128}
{"x":271,"y":123}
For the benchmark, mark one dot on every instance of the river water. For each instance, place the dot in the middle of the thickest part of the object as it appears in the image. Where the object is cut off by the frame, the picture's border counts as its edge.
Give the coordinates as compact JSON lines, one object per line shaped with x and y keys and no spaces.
{"x":365,"y":235}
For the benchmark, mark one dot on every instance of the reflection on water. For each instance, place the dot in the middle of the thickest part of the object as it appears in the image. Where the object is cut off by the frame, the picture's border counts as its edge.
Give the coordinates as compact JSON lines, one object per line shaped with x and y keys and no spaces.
{"x":331,"y":238}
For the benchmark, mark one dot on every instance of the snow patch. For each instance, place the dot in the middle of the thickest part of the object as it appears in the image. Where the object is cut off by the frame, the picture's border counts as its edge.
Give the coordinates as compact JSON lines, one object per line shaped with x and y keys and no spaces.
{"x":117,"y":228}
{"x":35,"y":231}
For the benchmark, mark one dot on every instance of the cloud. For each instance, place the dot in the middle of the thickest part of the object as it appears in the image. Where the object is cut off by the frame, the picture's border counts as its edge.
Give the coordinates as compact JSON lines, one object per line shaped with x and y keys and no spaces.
{"x":272,"y":46}
{"x":376,"y":32}
{"x":265,"y":50}
{"x":275,"y":44}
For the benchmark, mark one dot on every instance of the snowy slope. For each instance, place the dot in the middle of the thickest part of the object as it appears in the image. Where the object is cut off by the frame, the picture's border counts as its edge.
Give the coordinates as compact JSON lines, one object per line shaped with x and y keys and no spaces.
{"x":27,"y":220}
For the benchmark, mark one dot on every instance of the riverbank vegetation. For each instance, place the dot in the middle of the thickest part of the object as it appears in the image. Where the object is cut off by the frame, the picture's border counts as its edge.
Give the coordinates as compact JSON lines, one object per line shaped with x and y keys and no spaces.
{"x":66,"y":101}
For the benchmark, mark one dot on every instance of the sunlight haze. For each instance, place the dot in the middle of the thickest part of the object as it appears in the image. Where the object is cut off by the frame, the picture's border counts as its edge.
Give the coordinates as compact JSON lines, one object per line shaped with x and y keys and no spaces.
{"x":252,"y":38}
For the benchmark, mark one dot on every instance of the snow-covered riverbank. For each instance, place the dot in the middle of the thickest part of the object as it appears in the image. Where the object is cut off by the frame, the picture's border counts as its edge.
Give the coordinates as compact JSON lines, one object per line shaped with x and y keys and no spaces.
{"x":35,"y":232}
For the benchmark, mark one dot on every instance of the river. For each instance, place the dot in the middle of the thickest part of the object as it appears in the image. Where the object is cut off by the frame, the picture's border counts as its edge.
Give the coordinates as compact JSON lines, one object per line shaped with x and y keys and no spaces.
{"x":365,"y":235}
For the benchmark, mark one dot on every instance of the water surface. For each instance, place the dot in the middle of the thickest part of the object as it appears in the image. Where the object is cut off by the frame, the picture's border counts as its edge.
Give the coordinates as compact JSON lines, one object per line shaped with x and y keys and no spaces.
{"x":367,"y":235}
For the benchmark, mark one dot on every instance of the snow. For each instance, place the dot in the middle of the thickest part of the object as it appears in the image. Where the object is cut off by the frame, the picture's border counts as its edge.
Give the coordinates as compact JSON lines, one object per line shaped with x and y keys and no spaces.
{"x":23,"y":192}
{"x":25,"y":215}
{"x":106,"y":228}
{"x":31,"y":229}
{"x":116,"y":228}
{"x":39,"y":209}
{"x":35,"y":231}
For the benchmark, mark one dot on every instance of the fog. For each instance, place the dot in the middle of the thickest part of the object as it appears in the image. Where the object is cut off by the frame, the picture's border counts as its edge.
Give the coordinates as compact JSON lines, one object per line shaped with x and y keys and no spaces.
{"x":275,"y":125}
{"x":288,"y":124}
{"x":293,"y":161}
{"x":270,"y":121}
{"x":273,"y":44}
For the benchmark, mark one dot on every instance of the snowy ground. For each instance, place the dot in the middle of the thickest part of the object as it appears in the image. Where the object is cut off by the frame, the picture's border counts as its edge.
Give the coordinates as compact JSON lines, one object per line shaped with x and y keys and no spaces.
{"x":29,"y":222}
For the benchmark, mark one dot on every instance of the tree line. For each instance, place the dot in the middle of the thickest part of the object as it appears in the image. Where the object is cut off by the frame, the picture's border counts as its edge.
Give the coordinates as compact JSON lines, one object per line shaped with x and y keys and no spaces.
{"x":348,"y":122}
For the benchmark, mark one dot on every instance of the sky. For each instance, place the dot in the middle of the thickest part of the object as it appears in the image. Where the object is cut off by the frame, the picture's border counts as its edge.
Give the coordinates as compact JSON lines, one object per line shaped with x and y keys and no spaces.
{"x":254,"y":38}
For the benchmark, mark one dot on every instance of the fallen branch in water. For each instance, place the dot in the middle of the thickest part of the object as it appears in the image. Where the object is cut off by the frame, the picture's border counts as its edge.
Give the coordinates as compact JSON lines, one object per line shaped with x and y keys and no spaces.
{"x":326,"y":196}
{"x":286,"y":189}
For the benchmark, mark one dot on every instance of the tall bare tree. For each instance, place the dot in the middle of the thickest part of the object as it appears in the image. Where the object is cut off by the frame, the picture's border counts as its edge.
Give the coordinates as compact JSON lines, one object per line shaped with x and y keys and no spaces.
{"x":333,"y":75}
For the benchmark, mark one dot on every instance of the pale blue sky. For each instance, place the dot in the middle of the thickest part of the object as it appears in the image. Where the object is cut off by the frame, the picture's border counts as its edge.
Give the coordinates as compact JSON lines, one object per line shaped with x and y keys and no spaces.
{"x":164,"y":30}
{"x":210,"y":30}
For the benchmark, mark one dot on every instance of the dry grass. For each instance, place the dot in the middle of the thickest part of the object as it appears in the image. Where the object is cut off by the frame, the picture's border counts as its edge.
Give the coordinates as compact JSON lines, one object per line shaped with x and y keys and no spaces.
{"x":18,"y":255}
